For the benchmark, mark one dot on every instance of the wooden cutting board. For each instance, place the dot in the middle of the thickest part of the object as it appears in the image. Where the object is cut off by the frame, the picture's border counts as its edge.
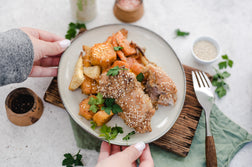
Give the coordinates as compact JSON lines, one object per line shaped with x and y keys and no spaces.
{"x":179,"y":138}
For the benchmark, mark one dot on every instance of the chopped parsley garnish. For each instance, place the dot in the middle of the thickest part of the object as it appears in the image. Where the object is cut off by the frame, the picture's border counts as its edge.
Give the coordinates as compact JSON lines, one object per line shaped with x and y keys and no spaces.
{"x":110,"y":133}
{"x":181,"y":33}
{"x":93,"y":102}
{"x":218,"y":78}
{"x":127,"y":137}
{"x":114,"y":71}
{"x":93,"y":108}
{"x":93,"y":125}
{"x":72,"y":29}
{"x":71,"y":161}
{"x":117,"y":48}
{"x":110,"y":105}
{"x":226,"y":62}
{"x":140,"y":77}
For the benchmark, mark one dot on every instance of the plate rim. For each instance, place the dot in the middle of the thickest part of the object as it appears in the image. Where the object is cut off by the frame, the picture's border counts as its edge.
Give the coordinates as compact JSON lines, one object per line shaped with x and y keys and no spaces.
{"x":126,"y":25}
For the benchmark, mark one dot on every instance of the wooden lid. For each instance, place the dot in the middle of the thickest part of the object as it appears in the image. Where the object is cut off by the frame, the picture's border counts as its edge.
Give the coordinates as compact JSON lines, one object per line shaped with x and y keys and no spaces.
{"x":130,"y":14}
{"x":23,"y":107}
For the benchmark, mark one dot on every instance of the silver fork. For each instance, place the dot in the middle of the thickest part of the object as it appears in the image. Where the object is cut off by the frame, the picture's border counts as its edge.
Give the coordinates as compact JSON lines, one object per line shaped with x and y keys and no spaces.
{"x":203,"y":90}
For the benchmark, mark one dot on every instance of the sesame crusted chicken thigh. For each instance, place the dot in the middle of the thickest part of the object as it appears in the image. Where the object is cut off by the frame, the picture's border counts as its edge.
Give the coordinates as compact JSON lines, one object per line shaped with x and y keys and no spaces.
{"x":129,"y":95}
{"x":159,"y":86}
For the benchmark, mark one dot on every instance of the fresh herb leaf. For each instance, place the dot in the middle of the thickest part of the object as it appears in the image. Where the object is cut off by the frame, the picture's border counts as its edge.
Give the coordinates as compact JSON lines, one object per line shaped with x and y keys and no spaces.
{"x":116,"y":109}
{"x":127,"y":137}
{"x":92,"y":101}
{"x":109,"y":102}
{"x":230,"y":63}
{"x":225,"y":74}
{"x":110,"y":133}
{"x":93,"y":108}
{"x":117,"y":48}
{"x":181,"y":33}
{"x":72,"y":29}
{"x":107,"y":109}
{"x":71,"y":161}
{"x":110,"y":105}
{"x":222,"y":65}
{"x":140,"y":77}
{"x":114,"y":71}
{"x":218,"y":78}
{"x":224,"y":57}
{"x":93,"y":125}
{"x":226,"y":62}
{"x":80,"y":25}
{"x":100,"y":99}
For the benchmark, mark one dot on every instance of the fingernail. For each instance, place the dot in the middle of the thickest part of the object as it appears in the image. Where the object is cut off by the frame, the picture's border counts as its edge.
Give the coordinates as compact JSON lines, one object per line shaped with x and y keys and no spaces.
{"x":65,"y":43}
{"x":140,"y":146}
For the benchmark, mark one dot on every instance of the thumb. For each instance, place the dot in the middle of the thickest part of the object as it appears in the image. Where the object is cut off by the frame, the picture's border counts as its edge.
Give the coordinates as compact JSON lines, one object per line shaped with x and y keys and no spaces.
{"x":133,"y":152}
{"x":54,"y":48}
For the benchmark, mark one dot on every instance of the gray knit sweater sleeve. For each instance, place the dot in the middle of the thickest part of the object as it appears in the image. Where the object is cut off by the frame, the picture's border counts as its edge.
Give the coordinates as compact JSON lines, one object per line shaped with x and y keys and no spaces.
{"x":16,"y":56}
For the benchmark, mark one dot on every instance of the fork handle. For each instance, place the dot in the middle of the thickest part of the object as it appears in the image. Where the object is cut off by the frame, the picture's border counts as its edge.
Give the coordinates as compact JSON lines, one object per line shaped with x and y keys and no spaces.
{"x":211,"y":159}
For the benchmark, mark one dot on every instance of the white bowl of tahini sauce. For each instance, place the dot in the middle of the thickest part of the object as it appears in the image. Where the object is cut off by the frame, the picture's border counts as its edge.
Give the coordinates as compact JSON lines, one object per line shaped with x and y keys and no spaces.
{"x":205,"y":50}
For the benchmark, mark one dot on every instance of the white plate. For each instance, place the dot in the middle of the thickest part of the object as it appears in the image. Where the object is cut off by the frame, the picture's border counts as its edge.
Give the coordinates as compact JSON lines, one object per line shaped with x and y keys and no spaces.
{"x":157,"y":50}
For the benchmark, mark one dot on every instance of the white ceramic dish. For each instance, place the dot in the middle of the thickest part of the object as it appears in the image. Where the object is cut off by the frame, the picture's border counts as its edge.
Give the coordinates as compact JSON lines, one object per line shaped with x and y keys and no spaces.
{"x":211,"y":40}
{"x":157,"y":50}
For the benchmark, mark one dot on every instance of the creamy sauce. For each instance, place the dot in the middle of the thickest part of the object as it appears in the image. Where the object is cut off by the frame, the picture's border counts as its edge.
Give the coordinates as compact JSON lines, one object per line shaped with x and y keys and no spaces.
{"x":205,"y":50}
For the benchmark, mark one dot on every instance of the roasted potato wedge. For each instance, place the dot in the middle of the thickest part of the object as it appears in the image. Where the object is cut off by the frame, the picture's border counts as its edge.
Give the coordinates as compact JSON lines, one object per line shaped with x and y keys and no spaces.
{"x":86,"y":57}
{"x":78,"y":76}
{"x":92,"y":72}
{"x":84,"y":109}
{"x":101,"y":117}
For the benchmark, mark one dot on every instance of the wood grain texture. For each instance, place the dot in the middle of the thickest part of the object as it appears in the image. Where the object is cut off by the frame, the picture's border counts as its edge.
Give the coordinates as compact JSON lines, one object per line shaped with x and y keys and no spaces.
{"x":211,"y":159}
{"x":179,"y":138}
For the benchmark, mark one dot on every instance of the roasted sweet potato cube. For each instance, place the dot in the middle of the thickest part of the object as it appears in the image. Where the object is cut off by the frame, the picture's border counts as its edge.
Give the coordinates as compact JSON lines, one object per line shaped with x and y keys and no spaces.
{"x":101,"y":117}
{"x":89,"y":86}
{"x":84,"y":109}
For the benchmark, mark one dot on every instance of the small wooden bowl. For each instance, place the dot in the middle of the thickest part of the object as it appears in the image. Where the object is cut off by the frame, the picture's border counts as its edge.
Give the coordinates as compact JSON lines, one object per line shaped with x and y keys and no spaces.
{"x":28,"y":117}
{"x":128,"y":15}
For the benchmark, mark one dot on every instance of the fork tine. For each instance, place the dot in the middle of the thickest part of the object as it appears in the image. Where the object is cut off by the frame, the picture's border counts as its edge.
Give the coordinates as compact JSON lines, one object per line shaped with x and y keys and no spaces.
{"x":199,"y":79}
{"x":203,"y":79}
{"x":195,"y":82}
{"x":207,"y":80}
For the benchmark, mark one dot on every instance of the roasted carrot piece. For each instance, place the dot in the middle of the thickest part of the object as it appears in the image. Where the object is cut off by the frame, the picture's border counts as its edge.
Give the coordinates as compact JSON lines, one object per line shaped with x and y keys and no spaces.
{"x":123,"y":42}
{"x":120,"y":64}
{"x":120,"y":54}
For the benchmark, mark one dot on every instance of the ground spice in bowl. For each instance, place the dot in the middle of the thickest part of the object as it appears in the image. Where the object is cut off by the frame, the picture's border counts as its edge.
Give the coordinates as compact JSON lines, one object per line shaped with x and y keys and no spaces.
{"x":205,"y":50}
{"x":22,"y":103}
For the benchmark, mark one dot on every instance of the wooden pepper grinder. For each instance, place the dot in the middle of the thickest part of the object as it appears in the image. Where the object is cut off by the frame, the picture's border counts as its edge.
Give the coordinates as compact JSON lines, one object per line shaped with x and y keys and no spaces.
{"x":23,"y":107}
{"x":128,"y":10}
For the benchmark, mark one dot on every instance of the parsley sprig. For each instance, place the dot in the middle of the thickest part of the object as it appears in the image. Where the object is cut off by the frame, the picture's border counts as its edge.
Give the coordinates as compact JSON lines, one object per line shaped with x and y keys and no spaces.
{"x":72,"y":29}
{"x":93,"y":125}
{"x":110,"y":105}
{"x":181,"y":33}
{"x":71,"y":161}
{"x":127,"y":137}
{"x":110,"y":133}
{"x":140,"y":77}
{"x":219,"y":77}
{"x":226,"y":62}
{"x":114,"y":71}
{"x":95,"y":101}
{"x":117,"y":48}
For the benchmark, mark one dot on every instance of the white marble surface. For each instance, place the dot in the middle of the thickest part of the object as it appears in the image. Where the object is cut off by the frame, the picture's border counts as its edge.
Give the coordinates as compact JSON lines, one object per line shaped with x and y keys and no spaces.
{"x":229,"y":21}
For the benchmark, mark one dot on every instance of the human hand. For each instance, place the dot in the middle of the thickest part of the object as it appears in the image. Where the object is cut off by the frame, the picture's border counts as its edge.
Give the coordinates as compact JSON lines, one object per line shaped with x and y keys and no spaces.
{"x":47,"y":48}
{"x":112,"y":156}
